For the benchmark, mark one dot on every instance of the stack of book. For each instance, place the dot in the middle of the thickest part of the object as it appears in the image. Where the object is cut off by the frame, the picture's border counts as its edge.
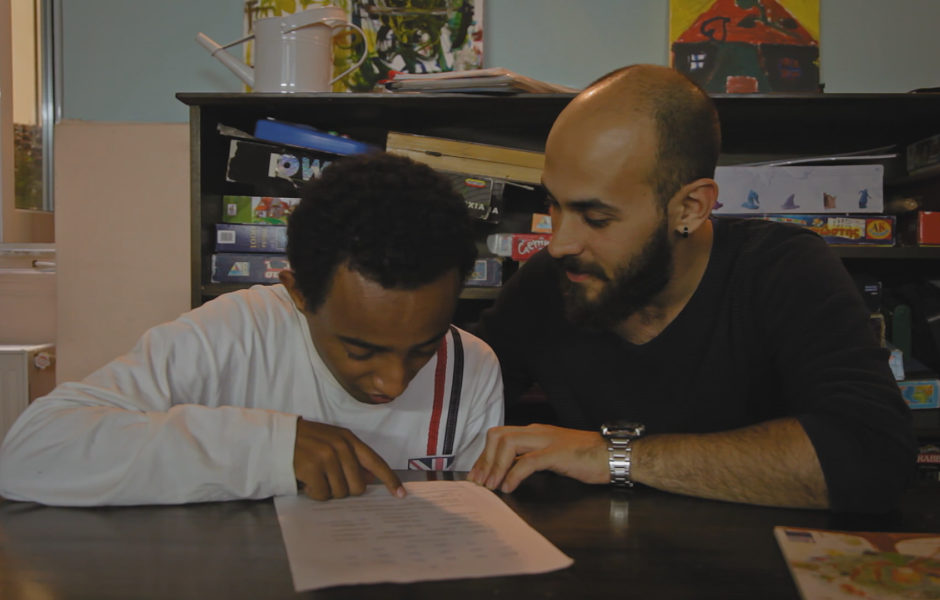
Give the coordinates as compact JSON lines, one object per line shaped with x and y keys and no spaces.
{"x":251,"y":241}
{"x":481,"y":173}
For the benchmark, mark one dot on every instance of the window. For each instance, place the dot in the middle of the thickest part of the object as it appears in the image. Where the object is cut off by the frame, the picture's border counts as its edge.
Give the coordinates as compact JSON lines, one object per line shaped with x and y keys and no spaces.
{"x":34,"y":109}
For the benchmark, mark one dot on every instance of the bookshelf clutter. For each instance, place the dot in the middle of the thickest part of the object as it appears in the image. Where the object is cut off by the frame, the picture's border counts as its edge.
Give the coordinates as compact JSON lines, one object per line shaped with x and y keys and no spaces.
{"x":891,"y":196}
{"x":251,"y":238}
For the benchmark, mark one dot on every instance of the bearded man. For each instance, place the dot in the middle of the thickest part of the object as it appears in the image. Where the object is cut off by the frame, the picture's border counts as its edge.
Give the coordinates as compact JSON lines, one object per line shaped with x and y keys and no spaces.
{"x":725,"y":359}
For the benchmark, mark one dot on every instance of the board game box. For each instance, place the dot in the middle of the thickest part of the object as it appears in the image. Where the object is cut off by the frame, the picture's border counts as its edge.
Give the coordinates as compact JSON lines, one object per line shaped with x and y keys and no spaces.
{"x":238,"y":237}
{"x":858,"y":230}
{"x":247,"y":268}
{"x":260,"y":210}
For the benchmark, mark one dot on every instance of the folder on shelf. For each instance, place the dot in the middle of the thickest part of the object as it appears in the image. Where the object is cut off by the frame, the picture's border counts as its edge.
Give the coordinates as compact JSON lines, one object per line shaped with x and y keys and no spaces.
{"x":472,"y":158}
{"x":311,"y":138}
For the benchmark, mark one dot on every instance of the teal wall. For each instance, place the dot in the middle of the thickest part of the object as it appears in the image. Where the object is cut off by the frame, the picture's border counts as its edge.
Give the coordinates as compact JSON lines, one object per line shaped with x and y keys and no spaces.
{"x":124,"y":60}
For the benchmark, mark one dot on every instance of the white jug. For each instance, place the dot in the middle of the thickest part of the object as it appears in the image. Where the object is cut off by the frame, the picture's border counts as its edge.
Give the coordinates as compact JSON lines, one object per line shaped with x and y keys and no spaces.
{"x":293,"y":53}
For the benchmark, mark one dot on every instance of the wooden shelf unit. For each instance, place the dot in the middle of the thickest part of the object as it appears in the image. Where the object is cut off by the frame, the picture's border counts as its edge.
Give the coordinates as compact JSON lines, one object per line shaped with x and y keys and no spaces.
{"x":778,"y":125}
{"x":753,"y":127}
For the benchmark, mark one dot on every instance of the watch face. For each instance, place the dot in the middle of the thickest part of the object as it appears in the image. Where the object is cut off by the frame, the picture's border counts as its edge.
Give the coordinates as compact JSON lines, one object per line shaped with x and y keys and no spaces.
{"x":622,"y":429}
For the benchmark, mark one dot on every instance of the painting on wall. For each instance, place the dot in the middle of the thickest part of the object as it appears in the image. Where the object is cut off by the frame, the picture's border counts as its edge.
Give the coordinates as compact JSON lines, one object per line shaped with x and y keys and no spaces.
{"x":411,"y":36}
{"x":747,"y":46}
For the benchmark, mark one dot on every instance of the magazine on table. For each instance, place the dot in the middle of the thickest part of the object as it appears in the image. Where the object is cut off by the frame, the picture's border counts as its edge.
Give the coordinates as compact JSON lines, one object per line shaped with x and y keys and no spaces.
{"x":836,"y":565}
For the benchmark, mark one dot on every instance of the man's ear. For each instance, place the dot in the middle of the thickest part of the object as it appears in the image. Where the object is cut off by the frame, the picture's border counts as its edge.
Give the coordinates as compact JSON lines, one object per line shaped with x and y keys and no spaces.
{"x":286,"y":277}
{"x":695,"y":203}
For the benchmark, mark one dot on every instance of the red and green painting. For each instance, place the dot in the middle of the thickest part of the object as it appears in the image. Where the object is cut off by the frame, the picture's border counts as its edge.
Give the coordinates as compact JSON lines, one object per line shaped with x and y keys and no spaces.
{"x":747,"y":46}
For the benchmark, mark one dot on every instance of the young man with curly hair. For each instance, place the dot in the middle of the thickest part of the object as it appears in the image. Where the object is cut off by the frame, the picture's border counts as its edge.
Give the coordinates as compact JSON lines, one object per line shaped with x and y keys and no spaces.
{"x":348,"y":367}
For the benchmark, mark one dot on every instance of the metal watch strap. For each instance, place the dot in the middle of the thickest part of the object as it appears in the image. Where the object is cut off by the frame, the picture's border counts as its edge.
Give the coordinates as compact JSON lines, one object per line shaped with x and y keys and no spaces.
{"x":619,"y":458}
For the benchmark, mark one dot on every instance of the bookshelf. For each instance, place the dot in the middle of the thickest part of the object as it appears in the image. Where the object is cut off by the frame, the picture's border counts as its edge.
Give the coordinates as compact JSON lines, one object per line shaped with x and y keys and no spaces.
{"x":516,"y":121}
{"x":754,"y":127}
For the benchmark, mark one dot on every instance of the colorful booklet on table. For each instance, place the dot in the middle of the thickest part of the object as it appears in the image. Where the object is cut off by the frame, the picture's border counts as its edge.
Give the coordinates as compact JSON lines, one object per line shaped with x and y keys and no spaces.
{"x":836,"y":565}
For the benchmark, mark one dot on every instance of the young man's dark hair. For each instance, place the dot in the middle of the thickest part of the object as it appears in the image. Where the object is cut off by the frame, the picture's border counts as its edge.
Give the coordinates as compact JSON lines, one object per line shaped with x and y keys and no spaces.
{"x":345,"y":217}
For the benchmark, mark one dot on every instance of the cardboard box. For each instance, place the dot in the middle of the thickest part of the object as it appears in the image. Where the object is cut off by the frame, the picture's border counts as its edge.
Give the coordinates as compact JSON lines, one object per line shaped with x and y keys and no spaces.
{"x":267,"y":210}
{"x":239,"y":237}
{"x":928,"y":228}
{"x":487,"y":272}
{"x":541,"y":223}
{"x":518,"y":246}
{"x":845,"y":231}
{"x":480,"y":194}
{"x":247,"y":268}
{"x":273,"y":170}
{"x":804,"y":189}
{"x":923,"y":154}
{"x":928,"y":461}
{"x":921,"y":393}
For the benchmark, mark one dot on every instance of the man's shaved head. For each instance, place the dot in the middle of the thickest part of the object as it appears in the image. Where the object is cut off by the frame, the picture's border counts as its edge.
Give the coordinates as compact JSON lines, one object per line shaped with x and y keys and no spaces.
{"x":687,"y":131}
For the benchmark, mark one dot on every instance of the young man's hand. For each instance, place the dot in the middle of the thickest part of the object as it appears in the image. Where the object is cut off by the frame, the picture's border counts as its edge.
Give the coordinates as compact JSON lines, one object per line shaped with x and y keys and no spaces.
{"x":331,"y":462}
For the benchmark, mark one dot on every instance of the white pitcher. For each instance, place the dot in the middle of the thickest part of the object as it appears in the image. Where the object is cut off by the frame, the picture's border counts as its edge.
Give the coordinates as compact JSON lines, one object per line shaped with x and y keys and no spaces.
{"x":293,"y":53}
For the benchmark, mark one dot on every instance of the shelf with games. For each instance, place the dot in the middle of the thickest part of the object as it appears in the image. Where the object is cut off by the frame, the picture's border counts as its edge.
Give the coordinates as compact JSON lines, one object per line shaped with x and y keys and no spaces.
{"x":754,"y":126}
{"x":513,"y":121}
{"x":893,"y":253}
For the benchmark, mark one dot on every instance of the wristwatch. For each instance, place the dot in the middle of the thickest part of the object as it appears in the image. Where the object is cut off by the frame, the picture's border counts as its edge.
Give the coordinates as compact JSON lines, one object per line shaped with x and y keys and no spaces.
{"x":619,"y":434}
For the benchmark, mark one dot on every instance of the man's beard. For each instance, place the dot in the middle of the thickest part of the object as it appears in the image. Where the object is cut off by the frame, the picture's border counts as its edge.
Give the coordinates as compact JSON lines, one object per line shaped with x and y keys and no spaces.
{"x":633,"y":286}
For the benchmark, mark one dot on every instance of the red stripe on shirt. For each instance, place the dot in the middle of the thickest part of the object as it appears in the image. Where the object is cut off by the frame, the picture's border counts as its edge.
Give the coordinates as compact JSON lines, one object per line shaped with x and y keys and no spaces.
{"x":440,"y":373}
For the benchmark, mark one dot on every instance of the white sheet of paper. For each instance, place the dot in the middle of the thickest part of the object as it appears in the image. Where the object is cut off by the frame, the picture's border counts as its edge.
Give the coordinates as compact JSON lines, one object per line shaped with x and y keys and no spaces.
{"x":440,"y":530}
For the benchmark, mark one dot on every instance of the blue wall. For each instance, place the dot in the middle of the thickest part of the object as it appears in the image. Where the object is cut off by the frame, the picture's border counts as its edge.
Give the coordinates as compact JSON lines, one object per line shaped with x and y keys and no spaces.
{"x":124,"y":60}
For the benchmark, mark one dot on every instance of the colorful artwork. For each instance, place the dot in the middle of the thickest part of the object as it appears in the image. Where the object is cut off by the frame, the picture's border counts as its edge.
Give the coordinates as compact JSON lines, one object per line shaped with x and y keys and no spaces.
{"x":747,"y":46}
{"x":856,"y":565}
{"x":412,"y":36}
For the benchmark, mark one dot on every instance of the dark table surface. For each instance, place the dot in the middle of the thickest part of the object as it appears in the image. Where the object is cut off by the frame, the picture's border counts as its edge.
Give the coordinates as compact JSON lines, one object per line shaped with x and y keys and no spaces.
{"x":633,"y":544}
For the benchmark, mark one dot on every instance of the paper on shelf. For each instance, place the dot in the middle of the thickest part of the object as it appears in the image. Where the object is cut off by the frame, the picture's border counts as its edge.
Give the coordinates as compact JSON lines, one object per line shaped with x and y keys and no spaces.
{"x":495,"y":79}
{"x":441,"y":530}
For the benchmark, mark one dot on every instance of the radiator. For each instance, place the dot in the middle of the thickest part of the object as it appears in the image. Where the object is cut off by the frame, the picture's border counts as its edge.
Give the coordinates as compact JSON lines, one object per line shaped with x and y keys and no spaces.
{"x":26,"y":373}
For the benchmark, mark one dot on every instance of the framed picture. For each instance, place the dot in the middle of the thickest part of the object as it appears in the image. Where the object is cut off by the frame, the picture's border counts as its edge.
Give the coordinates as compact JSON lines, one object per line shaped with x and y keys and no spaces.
{"x":746,"y":46}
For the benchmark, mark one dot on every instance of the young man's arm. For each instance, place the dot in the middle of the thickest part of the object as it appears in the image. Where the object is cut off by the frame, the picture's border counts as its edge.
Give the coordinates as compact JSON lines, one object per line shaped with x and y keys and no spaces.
{"x":199,"y":411}
{"x":89,"y":444}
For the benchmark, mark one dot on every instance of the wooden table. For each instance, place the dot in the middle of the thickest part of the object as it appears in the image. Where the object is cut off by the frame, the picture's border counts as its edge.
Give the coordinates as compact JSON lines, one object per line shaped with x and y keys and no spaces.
{"x":634,"y":544}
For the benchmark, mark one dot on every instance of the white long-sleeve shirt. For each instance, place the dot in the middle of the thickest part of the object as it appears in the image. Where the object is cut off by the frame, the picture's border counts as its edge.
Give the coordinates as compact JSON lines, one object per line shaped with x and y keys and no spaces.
{"x":205,"y":407}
